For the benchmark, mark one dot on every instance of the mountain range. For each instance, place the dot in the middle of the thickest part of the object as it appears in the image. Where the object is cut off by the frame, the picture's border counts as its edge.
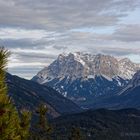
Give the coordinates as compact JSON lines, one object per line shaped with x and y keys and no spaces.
{"x":102,"y":103}
{"x":83,"y":78}
{"x":111,"y":91}
{"x":87,"y":96}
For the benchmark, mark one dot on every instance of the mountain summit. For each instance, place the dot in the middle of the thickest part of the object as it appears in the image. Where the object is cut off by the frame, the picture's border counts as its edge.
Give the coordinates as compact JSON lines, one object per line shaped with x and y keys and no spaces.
{"x":77,"y":65}
{"x":79,"y":76}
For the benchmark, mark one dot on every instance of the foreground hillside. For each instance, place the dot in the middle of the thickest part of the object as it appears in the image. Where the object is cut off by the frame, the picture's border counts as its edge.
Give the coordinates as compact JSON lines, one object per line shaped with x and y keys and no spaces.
{"x":28,"y":94}
{"x":101,"y":125}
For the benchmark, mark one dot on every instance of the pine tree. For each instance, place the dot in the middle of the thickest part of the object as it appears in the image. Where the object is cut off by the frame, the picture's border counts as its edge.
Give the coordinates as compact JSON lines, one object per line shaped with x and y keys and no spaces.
{"x":76,"y":134}
{"x":9,"y":121}
{"x":42,"y":130}
{"x":25,"y":124}
{"x":11,"y":127}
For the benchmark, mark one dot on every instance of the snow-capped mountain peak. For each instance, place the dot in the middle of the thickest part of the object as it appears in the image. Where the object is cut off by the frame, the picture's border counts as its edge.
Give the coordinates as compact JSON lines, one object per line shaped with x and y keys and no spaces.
{"x":136,"y":79}
{"x":81,"y":65}
{"x":81,"y":76}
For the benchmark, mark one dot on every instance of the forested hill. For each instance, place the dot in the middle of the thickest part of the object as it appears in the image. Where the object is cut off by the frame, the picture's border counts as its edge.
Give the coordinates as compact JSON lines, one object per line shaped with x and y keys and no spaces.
{"x":28,"y":94}
{"x":100,"y":124}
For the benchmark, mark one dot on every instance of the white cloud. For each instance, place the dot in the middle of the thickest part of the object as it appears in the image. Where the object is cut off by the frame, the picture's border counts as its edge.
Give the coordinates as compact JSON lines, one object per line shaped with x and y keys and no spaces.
{"x":18,"y":33}
{"x":36,"y":31}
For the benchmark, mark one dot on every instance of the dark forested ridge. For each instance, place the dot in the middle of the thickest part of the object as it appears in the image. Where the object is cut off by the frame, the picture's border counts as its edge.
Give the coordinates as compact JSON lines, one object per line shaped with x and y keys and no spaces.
{"x":101,"y":124}
{"x":28,"y":94}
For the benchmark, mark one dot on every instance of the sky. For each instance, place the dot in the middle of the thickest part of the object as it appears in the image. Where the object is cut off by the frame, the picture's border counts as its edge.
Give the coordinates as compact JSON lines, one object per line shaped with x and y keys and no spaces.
{"x":37,"y":31}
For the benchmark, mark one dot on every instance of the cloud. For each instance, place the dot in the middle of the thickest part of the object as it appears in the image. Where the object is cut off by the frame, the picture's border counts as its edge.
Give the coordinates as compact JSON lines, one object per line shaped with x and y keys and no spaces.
{"x":64,"y":14}
{"x":23,"y":71}
{"x":36,"y":31}
{"x":60,"y":47}
{"x":30,"y":58}
{"x":121,"y":51}
{"x":128,"y":33}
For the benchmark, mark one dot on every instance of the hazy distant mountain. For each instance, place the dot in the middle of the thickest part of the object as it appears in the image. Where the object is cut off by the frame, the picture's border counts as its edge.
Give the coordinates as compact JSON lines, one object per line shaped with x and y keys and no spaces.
{"x":28,"y":94}
{"x":81,"y":77}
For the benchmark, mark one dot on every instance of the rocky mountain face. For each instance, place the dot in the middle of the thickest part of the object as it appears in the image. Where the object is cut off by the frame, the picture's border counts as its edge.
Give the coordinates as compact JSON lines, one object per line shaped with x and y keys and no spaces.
{"x":129,"y":97}
{"x":80,"y":76}
{"x":135,"y":82}
{"x":27,"y":94}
